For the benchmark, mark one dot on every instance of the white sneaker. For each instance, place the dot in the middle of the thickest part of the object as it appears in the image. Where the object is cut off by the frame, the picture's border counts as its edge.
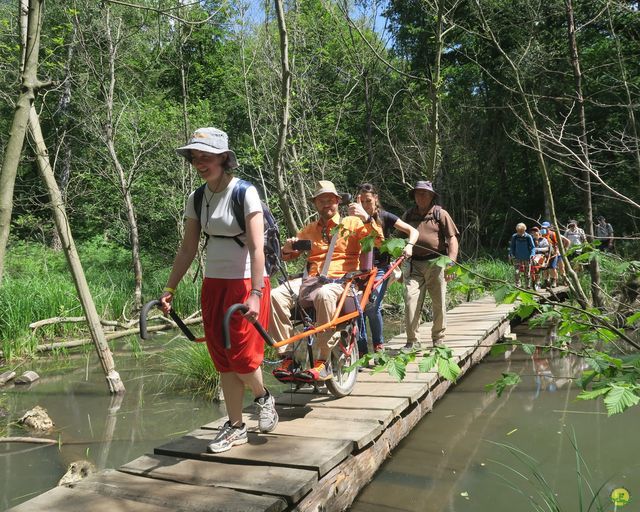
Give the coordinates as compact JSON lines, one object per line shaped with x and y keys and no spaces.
{"x":267,"y":414}
{"x":227,"y":437}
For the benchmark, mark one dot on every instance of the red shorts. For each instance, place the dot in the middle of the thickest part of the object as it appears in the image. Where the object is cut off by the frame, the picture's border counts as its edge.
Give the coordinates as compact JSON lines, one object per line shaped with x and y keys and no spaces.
{"x":247,"y":346}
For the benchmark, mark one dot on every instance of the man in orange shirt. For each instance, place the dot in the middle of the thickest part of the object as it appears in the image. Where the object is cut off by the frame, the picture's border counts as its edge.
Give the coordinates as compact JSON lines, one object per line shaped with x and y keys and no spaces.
{"x":312,"y":290}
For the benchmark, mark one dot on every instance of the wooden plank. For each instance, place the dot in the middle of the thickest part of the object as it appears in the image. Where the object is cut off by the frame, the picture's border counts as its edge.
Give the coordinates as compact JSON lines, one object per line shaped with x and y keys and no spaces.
{"x":395,"y":405}
{"x":399,"y":389}
{"x":383,"y":416}
{"x":177,"y":496}
{"x":307,"y":453}
{"x":411,"y":377}
{"x":289,"y":483}
{"x":63,"y":499}
{"x":360,"y":432}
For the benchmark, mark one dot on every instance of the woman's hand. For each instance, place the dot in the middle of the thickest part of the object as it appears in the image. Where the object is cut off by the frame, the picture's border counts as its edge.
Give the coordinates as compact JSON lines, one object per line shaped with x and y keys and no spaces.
{"x":165,"y":302}
{"x":357,"y":210}
{"x":253,"y":303}
{"x":407,"y":252}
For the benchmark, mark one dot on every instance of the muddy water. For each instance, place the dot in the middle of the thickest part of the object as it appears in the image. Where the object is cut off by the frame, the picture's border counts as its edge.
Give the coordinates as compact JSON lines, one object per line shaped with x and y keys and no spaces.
{"x":455,"y":459}
{"x":450,"y":461}
{"x":92,"y":425}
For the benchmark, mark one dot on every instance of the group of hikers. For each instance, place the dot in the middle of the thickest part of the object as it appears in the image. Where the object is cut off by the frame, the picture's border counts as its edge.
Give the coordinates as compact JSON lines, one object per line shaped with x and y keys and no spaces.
{"x":536,"y":255}
{"x":235,"y":273}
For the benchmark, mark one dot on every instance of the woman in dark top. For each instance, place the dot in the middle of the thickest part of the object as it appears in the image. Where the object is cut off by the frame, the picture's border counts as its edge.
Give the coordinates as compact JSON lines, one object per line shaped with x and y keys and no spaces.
{"x":367,"y":199}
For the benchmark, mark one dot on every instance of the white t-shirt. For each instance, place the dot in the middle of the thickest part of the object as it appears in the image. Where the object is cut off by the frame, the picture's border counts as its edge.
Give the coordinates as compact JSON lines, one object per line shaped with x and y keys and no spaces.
{"x":225,"y":259}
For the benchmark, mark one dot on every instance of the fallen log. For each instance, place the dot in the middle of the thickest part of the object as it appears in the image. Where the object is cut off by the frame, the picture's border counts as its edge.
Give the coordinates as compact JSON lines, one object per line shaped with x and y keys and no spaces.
{"x":114,"y":335}
{"x":34,"y":440}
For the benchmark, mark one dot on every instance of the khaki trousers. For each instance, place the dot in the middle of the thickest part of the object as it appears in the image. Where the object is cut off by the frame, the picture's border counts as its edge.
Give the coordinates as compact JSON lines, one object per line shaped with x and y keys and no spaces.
{"x":325,"y":299}
{"x":421,"y":277}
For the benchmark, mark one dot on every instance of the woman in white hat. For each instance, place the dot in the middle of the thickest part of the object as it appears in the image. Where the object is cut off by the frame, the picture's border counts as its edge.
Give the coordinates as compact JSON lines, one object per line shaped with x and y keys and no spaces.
{"x":234,"y":273}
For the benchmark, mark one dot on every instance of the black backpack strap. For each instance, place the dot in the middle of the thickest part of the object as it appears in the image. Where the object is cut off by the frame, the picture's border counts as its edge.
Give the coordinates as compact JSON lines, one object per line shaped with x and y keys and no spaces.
{"x":198,"y":195}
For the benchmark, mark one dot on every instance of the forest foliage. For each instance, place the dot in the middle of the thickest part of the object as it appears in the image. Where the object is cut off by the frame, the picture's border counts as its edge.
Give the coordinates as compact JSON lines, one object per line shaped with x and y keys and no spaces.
{"x":362,"y":101}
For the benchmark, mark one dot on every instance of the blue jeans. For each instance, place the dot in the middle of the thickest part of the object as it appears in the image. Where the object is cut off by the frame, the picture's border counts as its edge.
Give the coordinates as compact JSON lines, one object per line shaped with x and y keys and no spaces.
{"x":374,"y":314}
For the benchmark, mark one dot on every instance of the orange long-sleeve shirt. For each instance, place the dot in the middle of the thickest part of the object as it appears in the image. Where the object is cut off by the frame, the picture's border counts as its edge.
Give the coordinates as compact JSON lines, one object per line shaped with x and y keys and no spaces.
{"x":346,"y":253}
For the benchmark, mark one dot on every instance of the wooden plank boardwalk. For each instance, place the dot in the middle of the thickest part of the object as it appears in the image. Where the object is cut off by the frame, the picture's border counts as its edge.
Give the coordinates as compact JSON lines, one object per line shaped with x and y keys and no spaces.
{"x":323,"y":452}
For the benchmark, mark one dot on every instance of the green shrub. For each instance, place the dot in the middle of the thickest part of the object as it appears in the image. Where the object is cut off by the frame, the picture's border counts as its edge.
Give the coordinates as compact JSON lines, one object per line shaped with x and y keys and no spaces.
{"x":190,"y":368}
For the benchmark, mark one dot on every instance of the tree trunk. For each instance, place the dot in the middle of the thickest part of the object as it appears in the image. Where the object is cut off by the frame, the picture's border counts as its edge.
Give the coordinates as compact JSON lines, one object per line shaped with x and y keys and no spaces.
{"x":278,"y":159}
{"x":30,"y":84}
{"x":433,"y":138}
{"x":63,"y":108}
{"x":123,"y":180}
{"x":64,"y":230}
{"x":594,"y":269}
{"x":536,"y":142}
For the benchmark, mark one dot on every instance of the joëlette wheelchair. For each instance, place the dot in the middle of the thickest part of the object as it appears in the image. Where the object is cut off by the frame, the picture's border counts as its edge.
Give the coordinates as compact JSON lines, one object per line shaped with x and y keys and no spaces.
{"x":353,"y":301}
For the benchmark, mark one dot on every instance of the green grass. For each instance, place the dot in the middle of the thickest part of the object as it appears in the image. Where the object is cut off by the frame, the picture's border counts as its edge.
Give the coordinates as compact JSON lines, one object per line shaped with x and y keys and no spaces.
{"x":37,"y":285}
{"x":190,"y":368}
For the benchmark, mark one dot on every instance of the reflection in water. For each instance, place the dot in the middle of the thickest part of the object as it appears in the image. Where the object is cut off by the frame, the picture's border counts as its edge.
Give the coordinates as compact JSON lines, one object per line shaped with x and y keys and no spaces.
{"x":453,"y":459}
{"x":92,"y":425}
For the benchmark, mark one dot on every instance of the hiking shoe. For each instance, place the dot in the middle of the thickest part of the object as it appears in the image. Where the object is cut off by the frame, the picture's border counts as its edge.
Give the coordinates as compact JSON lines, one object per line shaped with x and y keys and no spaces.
{"x":227,"y":437}
{"x":378,"y":347}
{"x":267,"y":414}
{"x":284,"y":372}
{"x":321,"y":371}
{"x":411,"y":345}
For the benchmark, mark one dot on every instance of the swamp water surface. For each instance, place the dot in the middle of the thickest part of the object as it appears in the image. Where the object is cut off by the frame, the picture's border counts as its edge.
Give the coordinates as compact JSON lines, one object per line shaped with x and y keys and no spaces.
{"x":92,"y":425}
{"x":454,"y":459}
{"x":447,"y":463}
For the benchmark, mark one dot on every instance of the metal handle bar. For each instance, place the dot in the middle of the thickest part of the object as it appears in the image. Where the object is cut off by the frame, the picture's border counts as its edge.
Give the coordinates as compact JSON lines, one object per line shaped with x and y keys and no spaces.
{"x":389,"y":270}
{"x":174,"y":316}
{"x":227,"y":319}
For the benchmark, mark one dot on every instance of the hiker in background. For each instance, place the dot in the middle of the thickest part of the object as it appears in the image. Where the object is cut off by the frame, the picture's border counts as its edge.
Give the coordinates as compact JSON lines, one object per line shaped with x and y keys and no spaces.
{"x":318,"y":288}
{"x":368,"y":199}
{"x":566,"y":243}
{"x":547,"y":231}
{"x":604,"y":233}
{"x":233,"y":274}
{"x":521,"y":250}
{"x":577,"y":238}
{"x":540,"y":258}
{"x":437,"y":237}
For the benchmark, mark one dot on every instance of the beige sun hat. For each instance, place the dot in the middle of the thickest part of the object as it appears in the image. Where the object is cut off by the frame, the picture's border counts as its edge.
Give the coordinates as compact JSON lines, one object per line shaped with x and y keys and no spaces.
{"x":325,"y":187}
{"x":209,"y":140}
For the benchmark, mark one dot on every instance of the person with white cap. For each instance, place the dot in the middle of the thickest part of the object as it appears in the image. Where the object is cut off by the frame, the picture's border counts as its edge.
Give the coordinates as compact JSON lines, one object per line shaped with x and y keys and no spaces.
{"x":437,"y":237}
{"x":318,"y":288}
{"x":234,"y":273}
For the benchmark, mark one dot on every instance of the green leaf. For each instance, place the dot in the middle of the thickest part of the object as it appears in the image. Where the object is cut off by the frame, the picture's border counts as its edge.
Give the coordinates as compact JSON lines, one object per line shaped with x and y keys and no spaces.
{"x":448,"y":369}
{"x":505,"y":295}
{"x":397,"y":369}
{"x":633,"y":318}
{"x":499,"y":349}
{"x":528,"y":348}
{"x":368,"y":242}
{"x":620,"y":398}
{"x":393,"y":246}
{"x":442,"y":261}
{"x":427,"y":363}
{"x":594,"y":393}
{"x":507,"y":379}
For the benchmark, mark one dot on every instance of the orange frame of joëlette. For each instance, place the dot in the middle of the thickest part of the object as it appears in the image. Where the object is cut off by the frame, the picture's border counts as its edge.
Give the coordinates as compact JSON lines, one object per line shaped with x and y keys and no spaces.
{"x":337,"y":318}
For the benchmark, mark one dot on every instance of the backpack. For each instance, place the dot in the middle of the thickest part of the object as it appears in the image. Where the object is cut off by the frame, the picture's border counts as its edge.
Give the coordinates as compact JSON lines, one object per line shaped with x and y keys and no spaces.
{"x":271,"y":230}
{"x":434,"y":215}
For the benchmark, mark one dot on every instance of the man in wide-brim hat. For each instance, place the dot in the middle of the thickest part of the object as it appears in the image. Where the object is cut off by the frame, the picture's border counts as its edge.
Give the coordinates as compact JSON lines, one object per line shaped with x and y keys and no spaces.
{"x":312,"y":290}
{"x":438,"y":237}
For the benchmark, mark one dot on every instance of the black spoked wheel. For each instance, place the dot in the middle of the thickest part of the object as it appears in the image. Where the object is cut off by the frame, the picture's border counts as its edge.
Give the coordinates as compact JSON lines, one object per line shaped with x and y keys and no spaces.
{"x":344,"y":355}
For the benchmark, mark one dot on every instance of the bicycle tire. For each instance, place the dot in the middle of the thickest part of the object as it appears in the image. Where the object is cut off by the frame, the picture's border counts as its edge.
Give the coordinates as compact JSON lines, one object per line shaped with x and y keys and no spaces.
{"x":343,"y":355}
